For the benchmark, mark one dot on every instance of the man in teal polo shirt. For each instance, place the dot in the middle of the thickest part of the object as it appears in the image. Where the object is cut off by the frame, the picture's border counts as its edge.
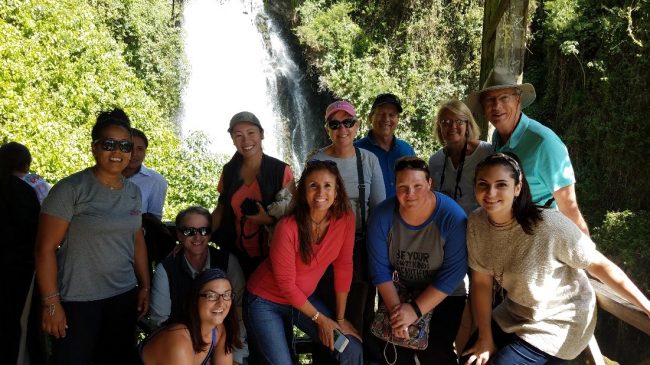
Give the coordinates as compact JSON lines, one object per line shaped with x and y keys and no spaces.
{"x":381,"y":140}
{"x":544,"y":157}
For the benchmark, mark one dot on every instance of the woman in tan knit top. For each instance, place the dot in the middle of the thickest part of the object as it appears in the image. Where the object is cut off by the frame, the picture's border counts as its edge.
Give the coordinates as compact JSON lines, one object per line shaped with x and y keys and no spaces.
{"x":540,"y":258}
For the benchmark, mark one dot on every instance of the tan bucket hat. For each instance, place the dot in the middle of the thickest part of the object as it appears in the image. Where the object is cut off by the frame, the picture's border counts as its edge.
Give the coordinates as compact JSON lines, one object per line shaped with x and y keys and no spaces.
{"x":500,"y":78}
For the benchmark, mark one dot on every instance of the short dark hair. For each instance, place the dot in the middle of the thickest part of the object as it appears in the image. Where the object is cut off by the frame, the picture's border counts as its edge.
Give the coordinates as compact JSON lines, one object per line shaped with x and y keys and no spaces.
{"x":106,"y":119}
{"x":195,"y":209}
{"x":14,"y":157}
{"x":138,"y":133}
{"x":525,"y":211}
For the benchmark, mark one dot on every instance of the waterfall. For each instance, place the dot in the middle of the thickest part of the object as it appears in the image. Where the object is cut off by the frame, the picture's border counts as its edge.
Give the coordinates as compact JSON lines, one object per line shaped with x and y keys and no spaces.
{"x":239,"y":60}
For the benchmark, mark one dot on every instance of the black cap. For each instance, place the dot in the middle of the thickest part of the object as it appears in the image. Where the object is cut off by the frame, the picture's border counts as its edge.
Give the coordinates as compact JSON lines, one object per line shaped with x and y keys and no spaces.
{"x":387,"y":99}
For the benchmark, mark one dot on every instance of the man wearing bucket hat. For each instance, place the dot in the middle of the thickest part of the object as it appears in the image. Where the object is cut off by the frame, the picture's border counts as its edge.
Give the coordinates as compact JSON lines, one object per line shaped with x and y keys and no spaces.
{"x":381,"y":140}
{"x":545,"y":158}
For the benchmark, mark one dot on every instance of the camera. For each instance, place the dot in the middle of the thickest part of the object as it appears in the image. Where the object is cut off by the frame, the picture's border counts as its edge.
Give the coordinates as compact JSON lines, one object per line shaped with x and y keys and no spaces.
{"x":249,"y":207}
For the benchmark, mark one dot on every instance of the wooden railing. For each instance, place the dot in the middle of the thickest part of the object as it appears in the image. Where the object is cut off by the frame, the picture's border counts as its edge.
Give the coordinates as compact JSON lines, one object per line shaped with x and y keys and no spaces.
{"x":620,"y":308}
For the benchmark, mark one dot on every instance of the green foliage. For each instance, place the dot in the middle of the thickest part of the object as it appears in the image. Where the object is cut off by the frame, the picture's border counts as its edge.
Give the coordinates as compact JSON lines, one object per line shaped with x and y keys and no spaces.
{"x":589,"y":63}
{"x":425,"y":51}
{"x":623,"y":238}
{"x":60,"y":64}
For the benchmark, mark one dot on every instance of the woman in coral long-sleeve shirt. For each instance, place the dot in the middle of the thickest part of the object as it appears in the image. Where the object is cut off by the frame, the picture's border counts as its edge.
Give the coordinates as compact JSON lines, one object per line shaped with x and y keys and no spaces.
{"x":318,"y":232}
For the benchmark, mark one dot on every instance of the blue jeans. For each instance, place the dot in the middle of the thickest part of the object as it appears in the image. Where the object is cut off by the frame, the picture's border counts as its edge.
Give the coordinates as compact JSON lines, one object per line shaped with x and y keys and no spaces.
{"x":521,"y":352}
{"x":267,"y":321}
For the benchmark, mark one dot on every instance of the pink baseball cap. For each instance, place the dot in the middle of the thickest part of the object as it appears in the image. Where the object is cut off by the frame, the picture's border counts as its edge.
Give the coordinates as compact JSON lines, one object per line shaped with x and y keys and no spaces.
{"x":336,"y":106}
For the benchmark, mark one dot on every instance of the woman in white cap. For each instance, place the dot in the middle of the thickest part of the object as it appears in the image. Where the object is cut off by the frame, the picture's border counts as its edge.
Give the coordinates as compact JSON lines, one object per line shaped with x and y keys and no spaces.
{"x":364,"y":184}
{"x":250,"y":183}
{"x":452,"y":166}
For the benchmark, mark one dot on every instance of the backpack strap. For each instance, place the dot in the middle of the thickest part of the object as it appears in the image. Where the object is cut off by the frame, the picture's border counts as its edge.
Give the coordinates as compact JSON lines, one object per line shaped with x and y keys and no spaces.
{"x":362,"y":190}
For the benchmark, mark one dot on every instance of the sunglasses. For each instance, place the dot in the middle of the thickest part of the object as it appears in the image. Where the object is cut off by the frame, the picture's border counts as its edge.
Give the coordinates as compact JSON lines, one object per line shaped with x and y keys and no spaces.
{"x":347,"y":123}
{"x":191,"y":231}
{"x":110,"y":144}
{"x":315,"y":162}
{"x":213,"y":297}
{"x":411,"y":163}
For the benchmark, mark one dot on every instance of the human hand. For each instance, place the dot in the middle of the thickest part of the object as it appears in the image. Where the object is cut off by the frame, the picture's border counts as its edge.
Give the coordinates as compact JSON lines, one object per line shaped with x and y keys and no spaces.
{"x":326,"y":328}
{"x":347,"y":328}
{"x":261,"y":218}
{"x":143,"y":302}
{"x":480,"y":352}
{"x":53,"y":319}
{"x":401,"y":317}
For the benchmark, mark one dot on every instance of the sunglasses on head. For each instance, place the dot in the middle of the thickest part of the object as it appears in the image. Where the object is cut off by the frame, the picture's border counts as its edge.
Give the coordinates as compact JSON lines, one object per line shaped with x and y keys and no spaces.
{"x":315,"y":162}
{"x":411,"y":163}
{"x":191,"y":231}
{"x":110,"y":144}
{"x":347,"y":123}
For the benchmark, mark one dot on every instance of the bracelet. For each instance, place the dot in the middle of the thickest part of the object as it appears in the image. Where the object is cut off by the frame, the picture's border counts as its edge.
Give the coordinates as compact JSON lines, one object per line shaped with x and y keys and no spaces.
{"x":48,"y":297}
{"x":416,"y":309}
{"x":315,"y":317}
{"x":340,"y":319}
{"x":144,"y":288}
{"x":50,"y":309}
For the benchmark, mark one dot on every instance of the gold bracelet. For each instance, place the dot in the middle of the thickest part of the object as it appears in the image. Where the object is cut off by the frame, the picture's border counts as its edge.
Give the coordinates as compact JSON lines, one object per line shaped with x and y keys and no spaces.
{"x":315,"y":317}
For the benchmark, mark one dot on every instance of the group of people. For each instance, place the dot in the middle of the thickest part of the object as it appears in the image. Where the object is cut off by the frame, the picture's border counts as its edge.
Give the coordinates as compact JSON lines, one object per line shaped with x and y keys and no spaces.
{"x":366,"y":216}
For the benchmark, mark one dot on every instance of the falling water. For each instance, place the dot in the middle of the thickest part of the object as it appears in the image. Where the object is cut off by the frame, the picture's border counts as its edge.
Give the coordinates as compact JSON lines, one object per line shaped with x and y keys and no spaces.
{"x":235,"y":66}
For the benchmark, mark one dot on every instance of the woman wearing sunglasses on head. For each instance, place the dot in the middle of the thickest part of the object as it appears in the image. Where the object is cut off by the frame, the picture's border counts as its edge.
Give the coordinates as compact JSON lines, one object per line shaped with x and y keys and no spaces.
{"x":91,"y":258}
{"x":254,"y":191}
{"x":541,"y":258}
{"x":452,"y":167}
{"x":364,"y":184}
{"x":173,"y":277}
{"x":205,"y":333}
{"x":318,"y":232}
{"x":418,"y":258}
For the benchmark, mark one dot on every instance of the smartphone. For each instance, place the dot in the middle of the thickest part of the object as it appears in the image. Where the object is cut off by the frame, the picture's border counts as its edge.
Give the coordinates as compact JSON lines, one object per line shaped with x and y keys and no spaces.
{"x":340,"y":341}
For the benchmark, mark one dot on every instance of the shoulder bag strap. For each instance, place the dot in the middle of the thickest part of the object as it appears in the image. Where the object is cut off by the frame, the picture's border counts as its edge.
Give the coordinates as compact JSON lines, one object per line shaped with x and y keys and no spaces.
{"x":362,"y":189}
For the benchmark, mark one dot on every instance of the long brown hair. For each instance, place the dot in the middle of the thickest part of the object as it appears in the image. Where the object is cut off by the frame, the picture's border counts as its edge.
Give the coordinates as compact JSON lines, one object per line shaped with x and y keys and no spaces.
{"x":300,"y":208}
{"x":525,"y":211}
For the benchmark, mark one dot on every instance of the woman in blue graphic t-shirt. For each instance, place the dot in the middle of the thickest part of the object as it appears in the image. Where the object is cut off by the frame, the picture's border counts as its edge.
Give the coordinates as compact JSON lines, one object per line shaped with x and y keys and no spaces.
{"x":418,"y":237}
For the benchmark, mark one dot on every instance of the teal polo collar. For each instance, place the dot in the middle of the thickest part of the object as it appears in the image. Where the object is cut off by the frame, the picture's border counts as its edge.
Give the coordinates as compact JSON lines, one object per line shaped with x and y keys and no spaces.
{"x":516,"y":135}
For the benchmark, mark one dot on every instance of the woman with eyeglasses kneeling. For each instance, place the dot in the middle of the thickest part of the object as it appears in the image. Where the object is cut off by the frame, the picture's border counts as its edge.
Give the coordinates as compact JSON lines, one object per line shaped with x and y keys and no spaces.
{"x":364,"y":183}
{"x":205,"y":333}
{"x":91,"y":258}
{"x":452,"y":167}
{"x":418,"y":258}
{"x":541,"y":259}
{"x":319,"y":231}
{"x":172,"y":280}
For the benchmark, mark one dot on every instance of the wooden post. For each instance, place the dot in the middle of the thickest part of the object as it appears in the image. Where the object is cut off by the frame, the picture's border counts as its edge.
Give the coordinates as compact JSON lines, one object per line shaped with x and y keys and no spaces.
{"x":505,"y":23}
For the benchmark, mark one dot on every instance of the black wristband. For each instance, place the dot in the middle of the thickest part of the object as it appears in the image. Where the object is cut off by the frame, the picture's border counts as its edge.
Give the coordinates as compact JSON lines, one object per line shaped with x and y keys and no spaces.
{"x":416,"y":309}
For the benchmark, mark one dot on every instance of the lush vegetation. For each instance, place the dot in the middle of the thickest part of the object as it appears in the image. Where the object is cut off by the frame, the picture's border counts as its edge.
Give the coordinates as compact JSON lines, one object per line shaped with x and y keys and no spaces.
{"x":63,"y":61}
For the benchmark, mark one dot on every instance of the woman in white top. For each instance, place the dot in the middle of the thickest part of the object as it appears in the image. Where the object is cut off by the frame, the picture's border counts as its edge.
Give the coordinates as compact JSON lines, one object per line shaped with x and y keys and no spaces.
{"x":452,"y":166}
{"x":541,"y":259}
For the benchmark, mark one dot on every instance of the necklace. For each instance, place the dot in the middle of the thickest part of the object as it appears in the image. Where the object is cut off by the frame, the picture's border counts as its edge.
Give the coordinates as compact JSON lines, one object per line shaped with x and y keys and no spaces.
{"x":317,"y":224}
{"x":505,"y":224}
{"x":117,"y":186}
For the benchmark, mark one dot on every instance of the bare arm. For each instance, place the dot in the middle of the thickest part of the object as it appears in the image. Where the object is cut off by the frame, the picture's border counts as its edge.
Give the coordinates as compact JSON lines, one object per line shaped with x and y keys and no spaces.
{"x":140,"y":265}
{"x":609,"y":273}
{"x":481,"y":294}
{"x":345,"y":326}
{"x":567,"y":203}
{"x":51,"y":232}
{"x":221,"y":357}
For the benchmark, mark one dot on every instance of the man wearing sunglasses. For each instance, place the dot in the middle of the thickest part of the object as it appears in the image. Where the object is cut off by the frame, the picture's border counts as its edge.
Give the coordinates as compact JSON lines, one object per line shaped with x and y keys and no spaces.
{"x":153,"y":185}
{"x":381,"y":140}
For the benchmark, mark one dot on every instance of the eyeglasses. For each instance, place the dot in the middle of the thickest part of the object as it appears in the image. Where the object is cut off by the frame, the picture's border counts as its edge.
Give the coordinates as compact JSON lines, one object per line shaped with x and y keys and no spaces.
{"x":411,"y":163}
{"x":191,"y":231}
{"x":335,"y":124}
{"x":213,"y":297}
{"x":501,"y":99}
{"x":456,"y":122}
{"x":110,"y":144}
